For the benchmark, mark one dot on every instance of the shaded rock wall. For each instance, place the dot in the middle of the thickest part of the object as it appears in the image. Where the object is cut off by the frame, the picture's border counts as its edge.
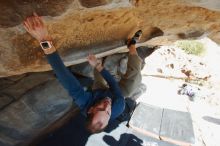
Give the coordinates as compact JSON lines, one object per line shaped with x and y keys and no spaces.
{"x":79,"y":27}
{"x":14,"y":12}
{"x":31,"y":105}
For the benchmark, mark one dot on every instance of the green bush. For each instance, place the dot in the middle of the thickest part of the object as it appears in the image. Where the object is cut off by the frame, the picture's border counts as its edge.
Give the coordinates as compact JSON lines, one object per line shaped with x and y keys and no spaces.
{"x":191,"y":47}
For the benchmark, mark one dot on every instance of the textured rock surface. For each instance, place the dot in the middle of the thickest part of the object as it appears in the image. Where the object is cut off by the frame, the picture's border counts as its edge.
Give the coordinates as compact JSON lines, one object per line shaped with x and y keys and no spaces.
{"x":177,"y":126}
{"x":33,"y":113}
{"x":164,"y":124}
{"x":173,"y":63}
{"x":170,"y":61}
{"x":146,"y":119}
{"x":82,"y":26}
{"x":24,"y":83}
{"x":5,"y":100}
{"x":14,"y":12}
{"x":209,"y":4}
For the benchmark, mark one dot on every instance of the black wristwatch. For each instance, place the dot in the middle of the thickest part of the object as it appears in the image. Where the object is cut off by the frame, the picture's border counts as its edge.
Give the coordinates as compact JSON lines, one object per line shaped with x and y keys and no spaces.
{"x":46,"y":45}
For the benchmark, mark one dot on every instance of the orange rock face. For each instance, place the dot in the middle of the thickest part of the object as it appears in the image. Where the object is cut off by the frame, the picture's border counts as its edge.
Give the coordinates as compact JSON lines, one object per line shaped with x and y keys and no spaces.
{"x":82,"y":26}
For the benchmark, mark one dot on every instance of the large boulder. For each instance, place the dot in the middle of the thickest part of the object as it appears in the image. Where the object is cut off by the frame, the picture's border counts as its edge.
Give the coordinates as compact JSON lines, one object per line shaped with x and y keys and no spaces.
{"x":32,"y":103}
{"x":37,"y":111}
{"x":79,"y":27}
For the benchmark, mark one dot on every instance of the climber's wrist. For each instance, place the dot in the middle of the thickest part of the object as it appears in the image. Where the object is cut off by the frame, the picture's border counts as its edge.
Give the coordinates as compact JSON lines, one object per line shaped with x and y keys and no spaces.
{"x":99,"y":67}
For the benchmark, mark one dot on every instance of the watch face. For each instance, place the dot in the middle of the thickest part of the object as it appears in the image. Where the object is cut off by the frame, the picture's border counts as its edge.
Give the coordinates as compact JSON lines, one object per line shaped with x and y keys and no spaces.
{"x":45,"y":45}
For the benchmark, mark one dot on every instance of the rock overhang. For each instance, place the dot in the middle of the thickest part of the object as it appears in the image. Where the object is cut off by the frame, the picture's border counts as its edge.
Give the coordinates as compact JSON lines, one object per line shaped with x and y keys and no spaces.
{"x":80,"y":26}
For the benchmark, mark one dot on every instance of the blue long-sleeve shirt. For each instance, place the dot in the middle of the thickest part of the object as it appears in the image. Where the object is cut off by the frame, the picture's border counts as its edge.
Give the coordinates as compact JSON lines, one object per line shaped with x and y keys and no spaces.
{"x":86,"y":99}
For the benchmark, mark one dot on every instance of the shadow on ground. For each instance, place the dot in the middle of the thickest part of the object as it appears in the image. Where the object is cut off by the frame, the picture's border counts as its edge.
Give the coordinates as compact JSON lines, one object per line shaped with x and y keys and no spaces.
{"x":71,"y":134}
{"x":212,"y":120}
{"x":126,"y":139}
{"x":75,"y":134}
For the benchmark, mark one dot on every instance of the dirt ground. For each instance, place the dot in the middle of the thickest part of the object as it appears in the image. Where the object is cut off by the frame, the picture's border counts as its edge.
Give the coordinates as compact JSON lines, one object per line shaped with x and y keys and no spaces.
{"x":205,"y":109}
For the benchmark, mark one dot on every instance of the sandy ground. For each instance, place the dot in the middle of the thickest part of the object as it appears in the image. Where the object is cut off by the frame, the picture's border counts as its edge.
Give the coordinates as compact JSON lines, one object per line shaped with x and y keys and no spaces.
{"x":163,"y":93}
{"x":205,"y":111}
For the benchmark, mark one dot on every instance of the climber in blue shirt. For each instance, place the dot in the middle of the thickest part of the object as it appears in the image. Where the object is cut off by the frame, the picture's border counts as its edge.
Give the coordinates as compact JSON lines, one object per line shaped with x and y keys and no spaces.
{"x":104,"y":103}
{"x":100,"y":105}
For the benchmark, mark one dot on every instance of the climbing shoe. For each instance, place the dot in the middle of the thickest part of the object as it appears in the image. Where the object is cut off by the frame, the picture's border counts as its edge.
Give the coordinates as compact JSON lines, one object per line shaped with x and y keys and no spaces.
{"x":134,"y":39}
